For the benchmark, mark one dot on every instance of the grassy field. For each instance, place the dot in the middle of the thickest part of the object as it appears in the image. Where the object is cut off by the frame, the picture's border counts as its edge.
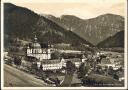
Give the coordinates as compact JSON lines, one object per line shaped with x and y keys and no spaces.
{"x":16,"y":78}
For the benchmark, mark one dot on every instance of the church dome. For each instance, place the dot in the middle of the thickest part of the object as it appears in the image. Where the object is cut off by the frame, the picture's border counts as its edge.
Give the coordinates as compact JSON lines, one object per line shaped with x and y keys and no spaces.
{"x":35,"y":45}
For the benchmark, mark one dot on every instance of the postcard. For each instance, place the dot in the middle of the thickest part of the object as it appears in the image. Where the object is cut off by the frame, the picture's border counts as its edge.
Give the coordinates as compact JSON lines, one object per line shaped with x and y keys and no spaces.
{"x":63,"y":44}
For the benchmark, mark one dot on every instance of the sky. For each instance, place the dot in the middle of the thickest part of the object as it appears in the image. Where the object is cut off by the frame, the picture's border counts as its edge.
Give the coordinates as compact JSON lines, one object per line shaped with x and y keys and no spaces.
{"x":81,"y":8}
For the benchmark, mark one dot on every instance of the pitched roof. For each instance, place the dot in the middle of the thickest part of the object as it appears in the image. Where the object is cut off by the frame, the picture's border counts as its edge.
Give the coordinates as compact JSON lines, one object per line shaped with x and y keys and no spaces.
{"x":51,"y":61}
{"x":74,"y":60}
{"x":105,"y":61}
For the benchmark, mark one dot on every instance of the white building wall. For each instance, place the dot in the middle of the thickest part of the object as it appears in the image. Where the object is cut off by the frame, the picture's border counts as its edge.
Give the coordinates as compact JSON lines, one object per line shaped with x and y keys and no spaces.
{"x":39,"y":54}
{"x":57,"y":66}
{"x":53,"y":66}
{"x":28,"y":51}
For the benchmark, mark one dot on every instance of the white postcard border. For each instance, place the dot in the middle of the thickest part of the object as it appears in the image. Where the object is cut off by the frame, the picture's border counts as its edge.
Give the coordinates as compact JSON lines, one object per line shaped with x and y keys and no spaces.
{"x":35,"y":88}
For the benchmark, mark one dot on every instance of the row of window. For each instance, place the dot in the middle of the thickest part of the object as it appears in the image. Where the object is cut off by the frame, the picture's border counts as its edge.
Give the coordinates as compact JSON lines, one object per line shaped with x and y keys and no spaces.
{"x":38,"y":51}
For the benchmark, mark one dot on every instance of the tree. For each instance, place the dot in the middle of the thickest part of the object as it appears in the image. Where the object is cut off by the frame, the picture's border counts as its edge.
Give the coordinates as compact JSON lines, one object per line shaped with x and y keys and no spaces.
{"x":70,"y":67}
{"x":41,"y":67}
{"x":100,"y":70}
{"x":34,"y":68}
{"x":83,"y":70}
{"x":115,"y":76}
{"x":110,"y":71}
{"x":17,"y":61}
{"x":55,"y":55}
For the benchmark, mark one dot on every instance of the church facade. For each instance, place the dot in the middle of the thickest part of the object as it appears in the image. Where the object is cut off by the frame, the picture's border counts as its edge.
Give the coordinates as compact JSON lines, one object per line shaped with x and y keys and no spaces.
{"x":35,"y":49}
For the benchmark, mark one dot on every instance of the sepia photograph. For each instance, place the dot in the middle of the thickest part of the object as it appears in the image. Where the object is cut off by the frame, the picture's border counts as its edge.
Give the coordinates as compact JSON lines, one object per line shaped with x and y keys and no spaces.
{"x":67,"y":44}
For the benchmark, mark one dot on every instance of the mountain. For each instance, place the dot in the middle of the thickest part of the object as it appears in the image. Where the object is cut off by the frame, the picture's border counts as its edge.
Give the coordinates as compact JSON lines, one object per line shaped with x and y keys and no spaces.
{"x":94,"y":30}
{"x":18,"y":22}
{"x":115,"y":41}
{"x":22,"y":23}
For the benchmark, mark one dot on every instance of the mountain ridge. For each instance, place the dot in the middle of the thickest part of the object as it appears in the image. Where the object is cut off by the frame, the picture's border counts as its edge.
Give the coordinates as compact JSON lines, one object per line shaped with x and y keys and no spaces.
{"x":23,"y":23}
{"x":95,"y":29}
{"x":54,"y":30}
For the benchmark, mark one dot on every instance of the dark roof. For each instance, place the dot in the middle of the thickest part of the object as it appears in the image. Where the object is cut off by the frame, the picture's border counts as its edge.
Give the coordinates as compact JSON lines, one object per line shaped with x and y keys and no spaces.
{"x":58,"y":61}
{"x":43,"y":45}
{"x":21,"y":53}
{"x":105,"y":61}
{"x":120,"y":74}
{"x":101,"y":78}
{"x":73,"y":60}
{"x":51,"y":61}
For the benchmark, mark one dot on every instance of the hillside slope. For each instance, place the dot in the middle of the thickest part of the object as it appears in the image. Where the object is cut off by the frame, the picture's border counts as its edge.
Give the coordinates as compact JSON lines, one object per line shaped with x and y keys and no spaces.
{"x":94,"y":30}
{"x":115,"y":41}
{"x":23,"y":23}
